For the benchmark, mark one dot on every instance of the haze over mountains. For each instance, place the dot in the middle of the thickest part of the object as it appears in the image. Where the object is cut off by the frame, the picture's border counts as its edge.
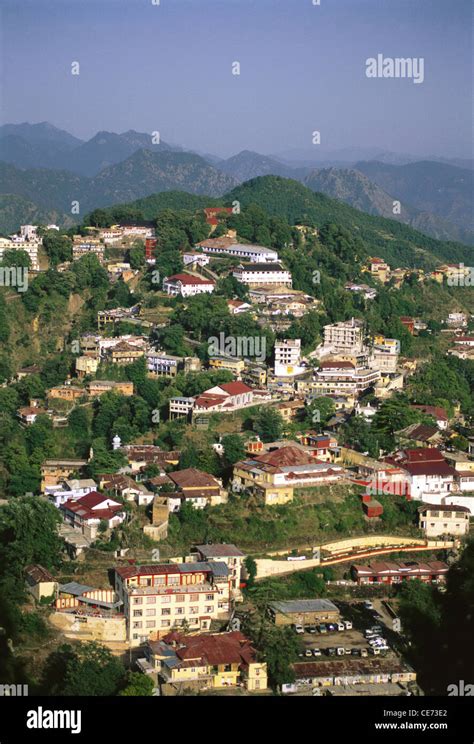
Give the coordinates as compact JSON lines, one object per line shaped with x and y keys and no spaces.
{"x":44,"y":169}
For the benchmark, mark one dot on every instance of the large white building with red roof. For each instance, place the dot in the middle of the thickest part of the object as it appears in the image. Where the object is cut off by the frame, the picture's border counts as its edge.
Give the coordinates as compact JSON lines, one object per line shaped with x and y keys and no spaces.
{"x":88,"y":512}
{"x":230,"y":396}
{"x":225,"y":398}
{"x":427,"y":472}
{"x":187,"y":285}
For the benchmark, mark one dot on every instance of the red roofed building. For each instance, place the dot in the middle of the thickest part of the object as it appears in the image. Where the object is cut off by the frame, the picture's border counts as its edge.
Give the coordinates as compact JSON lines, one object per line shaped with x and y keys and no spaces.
{"x":427,"y":472}
{"x":227,"y":397}
{"x":212,"y":214}
{"x":276,"y":474}
{"x":187,"y":285}
{"x":437,"y":412}
{"x":208,"y":661}
{"x":195,"y":487}
{"x":409,"y":323}
{"x":88,"y":512}
{"x":388,"y":572}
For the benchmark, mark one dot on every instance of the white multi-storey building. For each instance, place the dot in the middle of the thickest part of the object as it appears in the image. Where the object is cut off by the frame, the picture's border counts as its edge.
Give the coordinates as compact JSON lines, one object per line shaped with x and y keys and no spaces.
{"x":263,"y":274}
{"x":160,"y":597}
{"x":345,"y":336}
{"x":287,"y":358}
{"x":332,"y":378}
{"x":163,"y":365}
{"x":252,"y":253}
{"x":187,"y":285}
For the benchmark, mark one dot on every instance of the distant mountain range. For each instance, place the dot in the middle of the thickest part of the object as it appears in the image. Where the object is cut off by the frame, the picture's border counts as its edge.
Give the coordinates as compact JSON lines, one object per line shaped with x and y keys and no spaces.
{"x":141,"y":174}
{"x":50,"y":168}
{"x":45,"y":146}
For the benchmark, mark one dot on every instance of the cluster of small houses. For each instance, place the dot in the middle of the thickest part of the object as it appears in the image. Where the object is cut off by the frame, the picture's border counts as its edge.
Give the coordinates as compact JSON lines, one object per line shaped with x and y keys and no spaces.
{"x":150,"y":605}
{"x":171,"y":612}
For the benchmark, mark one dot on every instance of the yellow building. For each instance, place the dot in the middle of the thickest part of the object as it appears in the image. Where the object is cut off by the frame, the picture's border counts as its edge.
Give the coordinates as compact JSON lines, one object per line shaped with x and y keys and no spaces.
{"x":275,"y":475}
{"x":65,"y":392}
{"x":86,"y":365}
{"x":39,"y":582}
{"x":123,"y":353}
{"x":380,"y":270}
{"x":211,"y":661}
{"x":55,"y":471}
{"x":233,"y":365}
{"x":255,"y":375}
{"x":99,"y":387}
{"x":304,"y":612}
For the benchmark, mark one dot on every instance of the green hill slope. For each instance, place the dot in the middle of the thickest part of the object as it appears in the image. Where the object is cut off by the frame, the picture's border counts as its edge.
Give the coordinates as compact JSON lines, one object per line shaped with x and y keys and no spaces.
{"x":397,"y":243}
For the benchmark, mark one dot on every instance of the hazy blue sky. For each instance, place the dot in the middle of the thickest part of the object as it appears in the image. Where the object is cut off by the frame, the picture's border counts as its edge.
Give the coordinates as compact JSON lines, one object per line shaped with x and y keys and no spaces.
{"x":168,"y":68}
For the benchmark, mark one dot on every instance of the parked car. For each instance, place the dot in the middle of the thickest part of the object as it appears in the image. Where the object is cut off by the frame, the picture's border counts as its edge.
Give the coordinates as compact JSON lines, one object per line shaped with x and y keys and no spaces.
{"x":331,"y":627}
{"x":347,"y":651}
{"x":301,"y":654}
{"x":364,"y":653}
{"x":308,"y":652}
{"x":375,"y":651}
{"x":347,"y":624}
{"x":316,"y":652}
{"x":368,"y":605}
{"x":356,"y":652}
{"x":340,"y":651}
{"x":331,"y":651}
{"x":299,"y":628}
{"x":341,"y":626}
{"x":311,"y":629}
{"x":322,"y":628}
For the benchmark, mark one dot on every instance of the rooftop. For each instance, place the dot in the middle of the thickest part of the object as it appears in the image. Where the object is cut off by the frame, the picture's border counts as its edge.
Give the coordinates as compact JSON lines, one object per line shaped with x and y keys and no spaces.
{"x":37,"y":573}
{"x":159,"y":569}
{"x":189,"y":279}
{"x":304,"y":605}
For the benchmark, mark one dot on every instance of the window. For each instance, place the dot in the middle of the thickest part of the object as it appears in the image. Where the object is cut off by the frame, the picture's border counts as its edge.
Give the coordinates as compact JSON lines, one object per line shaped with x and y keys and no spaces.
{"x":150,"y":600}
{"x":149,"y":613}
{"x":180,"y":610}
{"x":209,"y":597}
{"x":180,"y":597}
{"x":166,"y":611}
{"x":138,"y":600}
{"x":173,"y":580}
{"x":137,"y":613}
{"x":194,"y":598}
{"x":137,"y":625}
{"x":193,"y":610}
{"x":209,"y":608}
{"x":165,"y":623}
{"x":166,"y":599}
{"x":150,"y":623}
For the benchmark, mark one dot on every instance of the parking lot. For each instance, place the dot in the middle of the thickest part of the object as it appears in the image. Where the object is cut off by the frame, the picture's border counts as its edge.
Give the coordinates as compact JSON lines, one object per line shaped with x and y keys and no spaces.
{"x":354,"y":638}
